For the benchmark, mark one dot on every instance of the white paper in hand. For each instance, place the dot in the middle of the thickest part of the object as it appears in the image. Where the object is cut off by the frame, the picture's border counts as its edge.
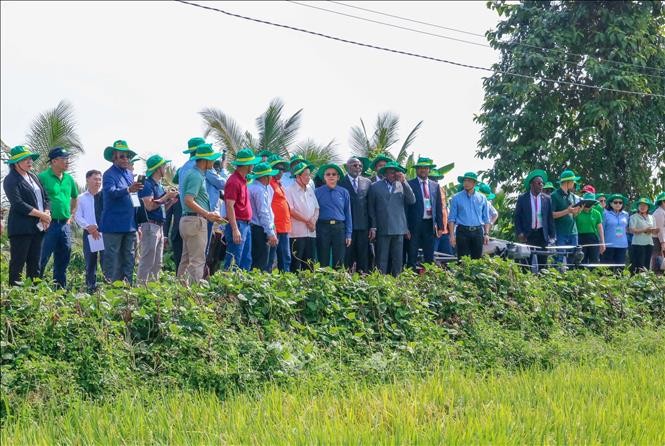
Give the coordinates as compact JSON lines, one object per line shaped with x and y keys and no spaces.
{"x":135,"y":199}
{"x":96,"y":245}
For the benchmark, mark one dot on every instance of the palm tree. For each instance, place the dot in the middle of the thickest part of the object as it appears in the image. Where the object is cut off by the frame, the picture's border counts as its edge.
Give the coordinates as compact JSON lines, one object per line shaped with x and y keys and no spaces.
{"x":384,"y":137}
{"x":54,"y":128}
{"x":318,"y":154}
{"x":225,"y":130}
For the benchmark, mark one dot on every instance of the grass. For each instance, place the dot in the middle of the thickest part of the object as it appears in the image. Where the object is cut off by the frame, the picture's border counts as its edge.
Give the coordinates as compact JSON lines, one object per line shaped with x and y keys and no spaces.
{"x":613,"y":400}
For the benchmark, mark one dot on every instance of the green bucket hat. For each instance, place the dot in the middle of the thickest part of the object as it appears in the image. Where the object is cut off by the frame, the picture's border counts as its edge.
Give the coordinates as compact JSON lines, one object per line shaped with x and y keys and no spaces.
{"x":643,"y":200}
{"x":486,"y":190}
{"x":300,"y":168}
{"x":266,"y":153}
{"x":193,"y":143}
{"x":322,"y":170}
{"x":262,"y":170}
{"x":19,"y":153}
{"x":295,"y":159}
{"x":434,"y":175}
{"x":548,"y":185}
{"x":621,"y":197}
{"x":391,"y":165}
{"x":534,"y":174}
{"x":365,"y":162}
{"x":245,"y":157}
{"x":277,"y":162}
{"x":568,"y":175}
{"x":205,"y":152}
{"x":385,"y":158}
{"x":118,"y":146}
{"x":469,"y":175}
{"x":660,"y":198}
{"x":590,"y":196}
{"x":134,"y":159}
{"x":425,"y":162}
{"x":153,"y":163}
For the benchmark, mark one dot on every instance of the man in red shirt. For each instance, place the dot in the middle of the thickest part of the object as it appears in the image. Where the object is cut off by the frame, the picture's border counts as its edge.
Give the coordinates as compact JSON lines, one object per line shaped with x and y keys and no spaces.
{"x":237,"y":233}
{"x":280,"y":208}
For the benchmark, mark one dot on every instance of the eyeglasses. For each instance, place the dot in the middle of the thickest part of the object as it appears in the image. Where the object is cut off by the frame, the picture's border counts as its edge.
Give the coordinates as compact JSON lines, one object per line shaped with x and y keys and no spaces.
{"x":122,"y":156}
{"x":331,"y":174}
{"x":617,"y":202}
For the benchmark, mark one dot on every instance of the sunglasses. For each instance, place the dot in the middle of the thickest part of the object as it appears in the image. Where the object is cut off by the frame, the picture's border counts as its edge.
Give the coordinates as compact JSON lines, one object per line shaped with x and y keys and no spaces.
{"x":331,"y":174}
{"x":617,"y":202}
{"x":122,"y":156}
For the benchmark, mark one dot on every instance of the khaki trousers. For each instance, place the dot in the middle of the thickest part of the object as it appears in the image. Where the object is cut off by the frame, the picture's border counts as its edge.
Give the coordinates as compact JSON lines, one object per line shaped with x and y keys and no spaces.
{"x":151,"y":253}
{"x":194,"y":233}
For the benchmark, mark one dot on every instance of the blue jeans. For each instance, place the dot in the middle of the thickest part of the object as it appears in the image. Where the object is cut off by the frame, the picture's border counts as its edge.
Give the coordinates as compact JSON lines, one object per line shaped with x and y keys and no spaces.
{"x":283,"y":253}
{"x":238,"y":255}
{"x":563,"y":240}
{"x":57,"y":241}
{"x":442,"y":244}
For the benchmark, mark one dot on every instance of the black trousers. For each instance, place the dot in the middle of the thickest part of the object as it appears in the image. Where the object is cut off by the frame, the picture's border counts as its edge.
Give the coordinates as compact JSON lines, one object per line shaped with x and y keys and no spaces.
{"x":24,"y":250}
{"x":423,"y":238}
{"x":389,"y":252}
{"x":330,"y":243}
{"x":358,"y":252}
{"x":591,"y":253}
{"x":302,"y":252}
{"x":260,"y":248}
{"x":469,"y":243}
{"x":640,"y":257}
{"x":535,"y":237}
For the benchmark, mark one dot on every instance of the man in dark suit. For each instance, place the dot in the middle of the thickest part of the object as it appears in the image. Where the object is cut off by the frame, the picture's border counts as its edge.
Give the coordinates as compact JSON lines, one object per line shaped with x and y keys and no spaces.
{"x":358,"y":187}
{"x":425,"y":216}
{"x":534,"y":219}
{"x":386,"y":201}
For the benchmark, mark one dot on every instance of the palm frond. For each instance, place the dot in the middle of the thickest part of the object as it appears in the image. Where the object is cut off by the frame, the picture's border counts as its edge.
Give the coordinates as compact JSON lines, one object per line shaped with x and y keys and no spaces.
{"x":290,"y":130}
{"x":275,"y":133}
{"x":318,"y":154}
{"x":359,"y":141}
{"x":385,"y":133}
{"x":407,"y":143}
{"x":226,"y":132}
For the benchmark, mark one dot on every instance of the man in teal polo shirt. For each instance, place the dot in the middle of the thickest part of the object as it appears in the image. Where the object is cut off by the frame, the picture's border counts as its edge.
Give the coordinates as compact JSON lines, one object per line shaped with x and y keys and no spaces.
{"x":62,"y":191}
{"x":564,"y":211}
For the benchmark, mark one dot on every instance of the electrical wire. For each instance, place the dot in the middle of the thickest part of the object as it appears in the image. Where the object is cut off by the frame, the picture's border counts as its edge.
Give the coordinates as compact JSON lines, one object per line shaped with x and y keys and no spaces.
{"x":416,"y":55}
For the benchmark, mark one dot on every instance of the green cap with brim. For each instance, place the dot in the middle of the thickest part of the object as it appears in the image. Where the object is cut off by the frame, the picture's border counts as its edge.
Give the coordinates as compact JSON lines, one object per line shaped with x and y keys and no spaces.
{"x":548,"y":185}
{"x":262,"y":170}
{"x":277,"y":162}
{"x":205,"y":152}
{"x":118,"y":146}
{"x":295,"y":158}
{"x":385,"y":158}
{"x":266,"y":153}
{"x":535,"y":174}
{"x":588,"y":196}
{"x":19,"y":153}
{"x":621,"y":197}
{"x":425,"y":162}
{"x":153,"y":163}
{"x":322,"y":170}
{"x":193,"y":143}
{"x":468,"y":176}
{"x":660,"y":198}
{"x":486,"y":190}
{"x":568,"y":175}
{"x":245,"y":157}
{"x":300,"y":168}
{"x":643,"y":200}
{"x":391,"y":165}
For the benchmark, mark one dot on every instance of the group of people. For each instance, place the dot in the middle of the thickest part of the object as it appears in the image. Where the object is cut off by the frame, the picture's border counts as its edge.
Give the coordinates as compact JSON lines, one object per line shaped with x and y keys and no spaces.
{"x":272,"y":212}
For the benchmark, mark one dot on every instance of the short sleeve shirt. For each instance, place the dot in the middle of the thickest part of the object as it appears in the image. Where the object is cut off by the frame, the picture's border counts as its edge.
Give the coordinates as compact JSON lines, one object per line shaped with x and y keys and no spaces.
{"x":587,"y":222}
{"x":638,"y":221}
{"x":153,"y":189}
{"x":194,"y":184}
{"x":236,"y":190}
{"x":60,"y":192}
{"x":280,"y":207}
{"x":560,"y":201}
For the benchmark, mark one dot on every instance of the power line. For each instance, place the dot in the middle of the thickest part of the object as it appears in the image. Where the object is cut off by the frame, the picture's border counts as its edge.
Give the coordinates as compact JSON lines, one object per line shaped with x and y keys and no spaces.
{"x":481,"y":35}
{"x":420,"y":56}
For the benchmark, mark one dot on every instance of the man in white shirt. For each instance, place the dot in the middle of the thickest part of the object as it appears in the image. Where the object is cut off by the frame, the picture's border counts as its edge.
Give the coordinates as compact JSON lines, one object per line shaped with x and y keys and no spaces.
{"x":304,"y":208}
{"x":659,"y":239}
{"x":88,"y":213}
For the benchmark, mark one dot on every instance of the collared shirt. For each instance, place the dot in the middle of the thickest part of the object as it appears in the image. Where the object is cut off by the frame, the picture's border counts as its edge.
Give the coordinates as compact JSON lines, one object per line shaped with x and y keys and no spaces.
{"x":60,"y":192}
{"x":194,"y":185}
{"x":153,"y":189}
{"x":86,"y":214}
{"x":638,"y":221}
{"x":427,"y":202}
{"x":260,"y":196}
{"x":536,"y":211}
{"x":587,"y":222}
{"x":38,"y":192}
{"x":561,"y":201}
{"x":614,"y":228}
{"x":215,"y":183}
{"x":469,"y":210}
{"x":280,"y":207}
{"x":493,"y":213}
{"x":303,"y":201}
{"x":182,"y":174}
{"x":287,"y":180}
{"x":236,"y":190}
{"x":118,"y":214}
{"x":335,"y":204}
{"x":659,"y":217}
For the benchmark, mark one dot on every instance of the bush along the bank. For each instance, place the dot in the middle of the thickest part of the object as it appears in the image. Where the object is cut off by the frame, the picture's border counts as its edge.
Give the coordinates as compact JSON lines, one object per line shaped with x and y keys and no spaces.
{"x":242,"y":330}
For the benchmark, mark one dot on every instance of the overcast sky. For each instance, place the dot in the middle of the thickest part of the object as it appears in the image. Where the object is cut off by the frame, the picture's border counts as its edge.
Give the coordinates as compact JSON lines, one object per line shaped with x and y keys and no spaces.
{"x":141,"y":71}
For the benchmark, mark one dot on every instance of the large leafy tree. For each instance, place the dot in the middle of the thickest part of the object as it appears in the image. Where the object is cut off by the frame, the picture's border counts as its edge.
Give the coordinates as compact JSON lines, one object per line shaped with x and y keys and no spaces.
{"x":384,"y":137}
{"x":614,"y":140}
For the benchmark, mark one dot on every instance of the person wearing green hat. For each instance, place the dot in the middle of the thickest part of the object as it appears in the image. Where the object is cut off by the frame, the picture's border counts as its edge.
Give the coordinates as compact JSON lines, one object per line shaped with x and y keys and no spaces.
{"x":534,"y":222}
{"x":195,"y":215}
{"x":29,"y":214}
{"x":643,"y":227}
{"x":387,"y":201}
{"x":615,"y":226}
{"x":238,"y":232}
{"x":377,"y":164}
{"x":192,"y":144}
{"x":62,"y":192}
{"x":425,"y":216}
{"x":262,"y":224}
{"x":304,"y":210}
{"x":288,"y":179}
{"x":357,"y":255}
{"x":264,"y":155}
{"x":565,"y":211}
{"x":658,"y":257}
{"x":118,"y":223}
{"x":590,"y":230}
{"x":469,"y":219}
{"x":334,"y":228}
{"x":151,"y":216}
{"x":548,"y":188}
{"x":280,"y":208}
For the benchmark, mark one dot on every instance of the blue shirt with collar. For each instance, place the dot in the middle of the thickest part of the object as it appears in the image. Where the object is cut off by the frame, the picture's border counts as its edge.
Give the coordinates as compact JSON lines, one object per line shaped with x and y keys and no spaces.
{"x":335,"y":204}
{"x":614,"y":228}
{"x":118,"y":213}
{"x":153,"y":189}
{"x":260,"y":197}
{"x":469,"y":210}
{"x":215,"y":182}
{"x":182,"y":174}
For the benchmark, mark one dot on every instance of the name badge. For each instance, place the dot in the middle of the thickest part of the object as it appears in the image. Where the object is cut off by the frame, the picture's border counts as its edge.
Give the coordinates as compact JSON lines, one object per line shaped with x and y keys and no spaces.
{"x":428,"y":204}
{"x":618,"y":232}
{"x":135,"y":199}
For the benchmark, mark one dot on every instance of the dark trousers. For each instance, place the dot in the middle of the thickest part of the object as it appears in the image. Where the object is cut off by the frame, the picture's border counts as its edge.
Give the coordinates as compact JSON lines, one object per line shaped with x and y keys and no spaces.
{"x":330,"y":243}
{"x":591,"y":253}
{"x":422,"y":237}
{"x":535,"y":237}
{"x":358,"y":252}
{"x":176,"y":247}
{"x":389,"y":249}
{"x":260,"y":248}
{"x":469,"y":242}
{"x":91,"y":261}
{"x":640,"y":257}
{"x":119,"y":252}
{"x":302,"y":252}
{"x":57,"y":241}
{"x":24,"y":250}
{"x":442,"y":244}
{"x":283,"y":253}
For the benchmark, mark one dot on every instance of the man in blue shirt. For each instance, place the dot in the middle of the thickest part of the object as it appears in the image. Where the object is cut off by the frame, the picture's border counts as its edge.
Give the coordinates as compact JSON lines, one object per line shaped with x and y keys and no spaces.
{"x":192,"y":144}
{"x":262,"y":223}
{"x":469,"y":214}
{"x":118,"y":223}
{"x":334,"y":227}
{"x":155,"y":203}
